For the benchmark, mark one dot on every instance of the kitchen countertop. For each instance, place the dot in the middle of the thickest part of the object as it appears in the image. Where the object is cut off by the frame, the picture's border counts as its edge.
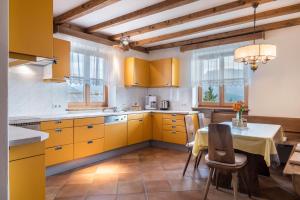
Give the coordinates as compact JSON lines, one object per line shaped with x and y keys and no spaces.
{"x":73,"y":115}
{"x":18,"y":136}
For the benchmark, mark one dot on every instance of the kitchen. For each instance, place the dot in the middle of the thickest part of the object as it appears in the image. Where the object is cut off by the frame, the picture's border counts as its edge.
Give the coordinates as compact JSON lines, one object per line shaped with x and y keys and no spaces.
{"x":119,"y":99}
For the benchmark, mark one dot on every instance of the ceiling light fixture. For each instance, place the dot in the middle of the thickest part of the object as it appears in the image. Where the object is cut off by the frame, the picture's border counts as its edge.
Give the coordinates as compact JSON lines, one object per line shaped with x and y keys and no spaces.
{"x":255,"y":54}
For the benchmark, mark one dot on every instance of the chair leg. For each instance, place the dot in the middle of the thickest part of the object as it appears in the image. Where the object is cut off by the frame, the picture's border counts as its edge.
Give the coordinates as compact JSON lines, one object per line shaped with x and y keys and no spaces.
{"x":208,"y":183}
{"x":244,"y":178}
{"x":187,"y":162}
{"x":217,"y":179}
{"x":235,"y":184}
{"x":199,"y":160}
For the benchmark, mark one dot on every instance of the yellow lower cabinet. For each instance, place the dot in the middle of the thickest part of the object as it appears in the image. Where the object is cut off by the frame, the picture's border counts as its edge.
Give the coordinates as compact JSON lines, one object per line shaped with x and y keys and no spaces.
{"x":88,"y":148}
{"x":157,"y":126}
{"x":115,"y":136}
{"x":59,"y":137}
{"x":88,"y":132}
{"x":147,"y":127}
{"x":174,"y":122}
{"x":27,"y":178}
{"x":26,"y":151}
{"x":174,"y":128}
{"x":135,"y":131}
{"x":59,"y":154}
{"x":174,"y":137}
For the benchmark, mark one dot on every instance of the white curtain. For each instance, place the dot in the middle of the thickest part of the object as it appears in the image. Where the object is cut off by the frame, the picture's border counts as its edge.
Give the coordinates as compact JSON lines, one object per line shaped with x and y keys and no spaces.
{"x":215,"y":66}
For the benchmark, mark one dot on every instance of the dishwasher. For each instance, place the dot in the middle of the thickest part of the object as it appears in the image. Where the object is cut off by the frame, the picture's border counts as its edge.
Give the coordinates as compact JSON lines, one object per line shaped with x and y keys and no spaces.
{"x":115,"y":132}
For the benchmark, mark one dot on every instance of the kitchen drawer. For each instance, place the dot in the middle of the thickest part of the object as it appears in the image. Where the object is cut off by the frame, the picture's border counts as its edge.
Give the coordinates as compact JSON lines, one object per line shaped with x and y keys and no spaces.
{"x":59,"y":154}
{"x":26,"y":151}
{"x":135,"y":116}
{"x":174,"y":137}
{"x":88,"y":148}
{"x":174,"y":128}
{"x":88,"y":132}
{"x":173,"y":122}
{"x":88,"y":121}
{"x":56,"y":124}
{"x":59,"y":136}
{"x":173,"y":116}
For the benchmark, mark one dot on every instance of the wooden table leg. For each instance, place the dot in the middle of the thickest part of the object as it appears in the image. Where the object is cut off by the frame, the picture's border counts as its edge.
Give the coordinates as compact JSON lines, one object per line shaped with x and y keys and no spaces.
{"x":296,"y":183}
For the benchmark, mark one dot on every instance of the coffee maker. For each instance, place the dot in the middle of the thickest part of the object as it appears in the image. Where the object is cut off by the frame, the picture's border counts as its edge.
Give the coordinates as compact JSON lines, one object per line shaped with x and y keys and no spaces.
{"x":151,"y":103}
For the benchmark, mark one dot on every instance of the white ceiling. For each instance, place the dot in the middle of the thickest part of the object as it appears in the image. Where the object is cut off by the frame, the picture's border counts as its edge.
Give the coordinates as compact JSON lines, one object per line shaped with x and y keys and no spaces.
{"x":126,"y":6}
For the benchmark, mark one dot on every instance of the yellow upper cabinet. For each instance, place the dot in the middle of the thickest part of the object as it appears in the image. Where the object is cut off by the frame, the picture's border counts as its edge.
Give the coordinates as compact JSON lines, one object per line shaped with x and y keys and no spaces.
{"x":164,"y":73}
{"x":31,"y":28}
{"x":136,"y":72}
{"x":61,"y":52}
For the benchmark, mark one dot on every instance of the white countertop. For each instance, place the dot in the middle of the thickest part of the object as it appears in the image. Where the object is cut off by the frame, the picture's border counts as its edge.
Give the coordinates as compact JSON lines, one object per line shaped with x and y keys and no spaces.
{"x":19,"y":136}
{"x":73,"y":115}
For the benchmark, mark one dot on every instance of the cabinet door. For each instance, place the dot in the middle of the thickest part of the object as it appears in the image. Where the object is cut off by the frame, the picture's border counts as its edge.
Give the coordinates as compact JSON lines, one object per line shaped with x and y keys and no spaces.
{"x":147,"y":127}
{"x":175,"y":72}
{"x":157,"y":126}
{"x":88,"y":148}
{"x":27,"y":178}
{"x":141,"y":73}
{"x":161,"y":73}
{"x":89,"y":132}
{"x":115,"y":136}
{"x":135,"y":131}
{"x":31,"y":27}
{"x":59,"y":137}
{"x":59,"y":154}
{"x":61,"y":52}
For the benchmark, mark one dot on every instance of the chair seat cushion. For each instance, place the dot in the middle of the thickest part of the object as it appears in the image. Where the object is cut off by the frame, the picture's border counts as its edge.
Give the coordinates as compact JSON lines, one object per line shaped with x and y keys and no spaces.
{"x":190,"y":144}
{"x":240,"y":161}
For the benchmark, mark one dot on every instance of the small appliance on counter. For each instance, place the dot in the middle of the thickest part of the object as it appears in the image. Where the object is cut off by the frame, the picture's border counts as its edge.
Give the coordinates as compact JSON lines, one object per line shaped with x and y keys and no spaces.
{"x":164,"y":105}
{"x":151,"y":103}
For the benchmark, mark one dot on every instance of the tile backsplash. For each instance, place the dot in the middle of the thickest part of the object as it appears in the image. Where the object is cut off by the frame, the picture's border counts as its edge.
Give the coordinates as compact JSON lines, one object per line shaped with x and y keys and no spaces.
{"x":30,"y":95}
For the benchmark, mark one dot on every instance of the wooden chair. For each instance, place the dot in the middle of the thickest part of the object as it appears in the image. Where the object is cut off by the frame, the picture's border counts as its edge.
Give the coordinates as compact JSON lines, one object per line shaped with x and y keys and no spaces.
{"x":190,"y":137}
{"x":201,"y":120}
{"x":221,"y":157}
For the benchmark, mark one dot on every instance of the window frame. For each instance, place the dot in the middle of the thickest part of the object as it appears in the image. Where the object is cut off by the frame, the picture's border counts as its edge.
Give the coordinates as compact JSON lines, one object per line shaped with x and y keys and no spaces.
{"x":86,"y":101}
{"x":221,"y":103}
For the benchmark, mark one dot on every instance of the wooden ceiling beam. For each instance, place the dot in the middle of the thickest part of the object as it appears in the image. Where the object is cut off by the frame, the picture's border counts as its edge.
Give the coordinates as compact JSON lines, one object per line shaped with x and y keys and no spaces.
{"x":265,"y":27}
{"x":150,"y":10}
{"x":82,"y":10}
{"x":241,"y":20}
{"x":225,"y":8}
{"x":98,"y":38}
{"x":230,"y":40}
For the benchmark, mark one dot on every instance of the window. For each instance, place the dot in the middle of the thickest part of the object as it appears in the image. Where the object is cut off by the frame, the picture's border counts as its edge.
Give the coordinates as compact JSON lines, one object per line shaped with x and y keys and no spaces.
{"x":220,"y":80}
{"x":86,"y":80}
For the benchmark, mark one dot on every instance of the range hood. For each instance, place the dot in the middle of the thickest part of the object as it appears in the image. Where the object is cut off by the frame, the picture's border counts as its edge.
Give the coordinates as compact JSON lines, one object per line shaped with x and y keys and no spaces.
{"x":16,"y":59}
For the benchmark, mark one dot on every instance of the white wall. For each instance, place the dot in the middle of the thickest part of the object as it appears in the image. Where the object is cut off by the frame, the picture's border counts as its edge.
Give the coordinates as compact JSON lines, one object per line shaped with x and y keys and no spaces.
{"x":3,"y":100}
{"x":275,"y":87}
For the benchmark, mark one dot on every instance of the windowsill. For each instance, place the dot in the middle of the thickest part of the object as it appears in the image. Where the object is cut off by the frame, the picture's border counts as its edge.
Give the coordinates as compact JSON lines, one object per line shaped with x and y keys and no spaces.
{"x":225,"y":108}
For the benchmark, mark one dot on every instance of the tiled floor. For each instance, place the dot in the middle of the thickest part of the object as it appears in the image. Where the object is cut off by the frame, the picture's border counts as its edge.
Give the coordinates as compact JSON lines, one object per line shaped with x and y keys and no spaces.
{"x":151,"y":173}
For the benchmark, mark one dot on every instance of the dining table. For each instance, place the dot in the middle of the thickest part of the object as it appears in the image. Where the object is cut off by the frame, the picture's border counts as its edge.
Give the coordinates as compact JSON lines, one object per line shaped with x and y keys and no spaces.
{"x":257,"y":141}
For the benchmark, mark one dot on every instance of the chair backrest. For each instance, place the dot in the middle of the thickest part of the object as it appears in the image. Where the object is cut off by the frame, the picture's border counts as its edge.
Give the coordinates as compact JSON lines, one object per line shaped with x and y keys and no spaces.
{"x":201,"y":120}
{"x":220,"y":146}
{"x":190,"y":129}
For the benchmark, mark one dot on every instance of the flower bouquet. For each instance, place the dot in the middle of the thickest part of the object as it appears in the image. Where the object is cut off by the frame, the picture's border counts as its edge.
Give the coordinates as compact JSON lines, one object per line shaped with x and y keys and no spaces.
{"x":239,"y":108}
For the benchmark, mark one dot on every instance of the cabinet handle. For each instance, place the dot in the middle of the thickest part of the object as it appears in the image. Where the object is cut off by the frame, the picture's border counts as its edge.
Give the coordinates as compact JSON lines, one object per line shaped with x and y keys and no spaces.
{"x":173,"y":120}
{"x":174,"y":115}
{"x":58,"y":130}
{"x":90,"y":126}
{"x":173,"y":126}
{"x":58,"y":122}
{"x":141,"y":120}
{"x":58,"y":148}
{"x":173,"y":132}
{"x":90,"y":142}
{"x":136,"y":83}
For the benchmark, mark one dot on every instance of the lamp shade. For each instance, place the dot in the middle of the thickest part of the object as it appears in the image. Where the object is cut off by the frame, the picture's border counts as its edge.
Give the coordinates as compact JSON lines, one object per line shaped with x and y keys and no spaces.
{"x":256,"y":53}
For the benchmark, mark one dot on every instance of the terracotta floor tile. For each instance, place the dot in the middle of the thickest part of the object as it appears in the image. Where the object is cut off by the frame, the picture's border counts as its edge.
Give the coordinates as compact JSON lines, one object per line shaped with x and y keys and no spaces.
{"x":141,"y":196}
{"x":51,"y":192}
{"x":104,"y":188}
{"x":154,"y":176}
{"x":101,"y":197}
{"x":77,"y":191}
{"x":131,"y":187}
{"x":157,"y":186}
{"x":81,"y":179}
